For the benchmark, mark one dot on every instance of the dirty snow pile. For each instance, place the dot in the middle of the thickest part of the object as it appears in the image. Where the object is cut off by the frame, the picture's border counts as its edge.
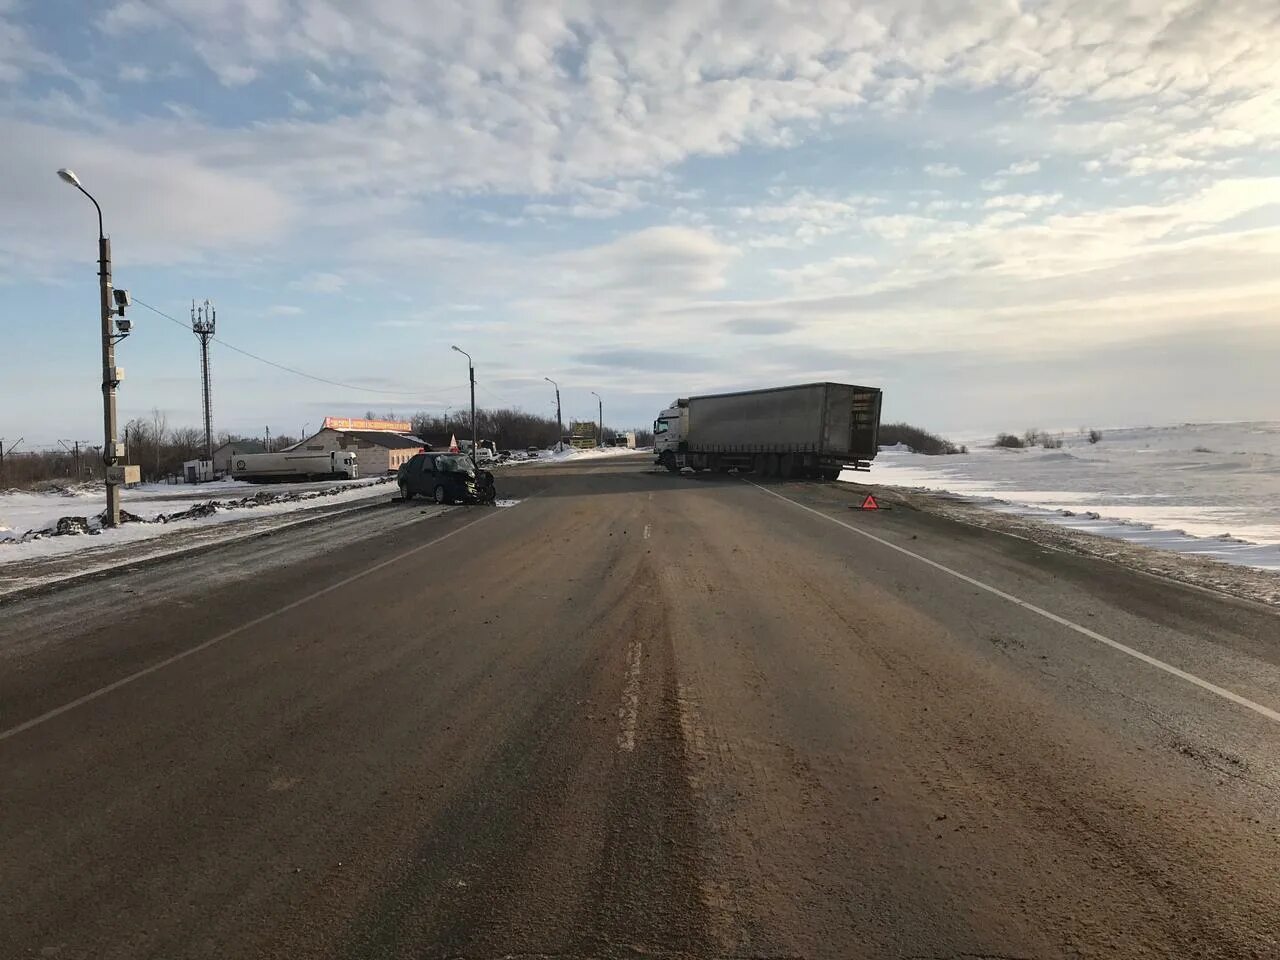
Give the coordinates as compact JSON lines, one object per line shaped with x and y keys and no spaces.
{"x":571,"y":453}
{"x":1208,"y":489}
{"x":59,"y":521}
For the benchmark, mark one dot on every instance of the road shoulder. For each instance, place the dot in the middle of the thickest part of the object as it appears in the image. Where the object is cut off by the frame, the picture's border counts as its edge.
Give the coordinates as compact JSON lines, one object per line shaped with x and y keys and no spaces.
{"x":1262,"y":586}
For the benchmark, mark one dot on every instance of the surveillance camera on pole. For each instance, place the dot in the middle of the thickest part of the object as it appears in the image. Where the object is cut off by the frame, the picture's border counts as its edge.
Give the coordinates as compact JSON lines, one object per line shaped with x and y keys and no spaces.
{"x":113,"y":304}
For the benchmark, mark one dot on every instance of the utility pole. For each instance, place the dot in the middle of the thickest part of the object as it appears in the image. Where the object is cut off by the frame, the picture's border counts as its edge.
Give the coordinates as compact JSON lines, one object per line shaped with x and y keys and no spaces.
{"x":203,"y":321}
{"x":471,"y":369}
{"x":75,"y":456}
{"x":13,"y":446}
{"x":559,"y":419}
{"x":600,"y":430}
{"x":268,"y":443}
{"x":111,"y":449}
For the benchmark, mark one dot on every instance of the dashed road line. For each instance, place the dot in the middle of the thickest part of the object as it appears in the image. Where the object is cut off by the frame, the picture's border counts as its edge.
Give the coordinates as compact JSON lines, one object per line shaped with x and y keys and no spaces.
{"x":629,"y":711}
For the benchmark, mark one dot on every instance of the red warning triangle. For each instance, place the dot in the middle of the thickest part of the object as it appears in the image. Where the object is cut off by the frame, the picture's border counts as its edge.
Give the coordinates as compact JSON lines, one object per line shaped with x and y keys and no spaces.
{"x":870,"y":503}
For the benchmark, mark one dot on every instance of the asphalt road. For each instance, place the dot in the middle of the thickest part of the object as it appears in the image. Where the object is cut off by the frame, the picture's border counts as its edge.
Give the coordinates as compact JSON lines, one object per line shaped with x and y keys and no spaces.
{"x":638,"y":715}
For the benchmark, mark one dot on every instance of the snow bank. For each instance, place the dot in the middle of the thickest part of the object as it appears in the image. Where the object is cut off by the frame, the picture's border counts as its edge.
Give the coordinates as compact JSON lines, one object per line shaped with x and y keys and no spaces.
{"x":24,"y":515}
{"x":570,"y":453}
{"x":1207,"y":489}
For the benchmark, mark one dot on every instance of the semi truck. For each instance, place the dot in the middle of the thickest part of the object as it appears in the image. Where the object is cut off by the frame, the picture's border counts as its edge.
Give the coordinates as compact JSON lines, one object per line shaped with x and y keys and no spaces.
{"x":811,"y":430}
{"x":295,"y":465}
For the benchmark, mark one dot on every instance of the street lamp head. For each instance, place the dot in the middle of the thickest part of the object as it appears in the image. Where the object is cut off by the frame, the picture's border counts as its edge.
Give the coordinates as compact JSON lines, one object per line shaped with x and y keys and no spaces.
{"x":69,"y":176}
{"x":455,"y":348}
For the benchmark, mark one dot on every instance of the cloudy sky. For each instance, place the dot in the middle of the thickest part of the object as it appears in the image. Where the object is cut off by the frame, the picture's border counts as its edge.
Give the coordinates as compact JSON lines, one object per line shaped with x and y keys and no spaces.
{"x":1008,"y":213}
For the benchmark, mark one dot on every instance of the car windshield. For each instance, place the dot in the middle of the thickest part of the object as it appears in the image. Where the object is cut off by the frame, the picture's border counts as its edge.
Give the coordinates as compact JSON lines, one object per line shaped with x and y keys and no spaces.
{"x":455,"y":464}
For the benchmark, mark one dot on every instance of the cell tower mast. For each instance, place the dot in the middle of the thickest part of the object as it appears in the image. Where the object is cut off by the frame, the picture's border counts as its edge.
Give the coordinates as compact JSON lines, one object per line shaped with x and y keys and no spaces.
{"x":203,"y":320}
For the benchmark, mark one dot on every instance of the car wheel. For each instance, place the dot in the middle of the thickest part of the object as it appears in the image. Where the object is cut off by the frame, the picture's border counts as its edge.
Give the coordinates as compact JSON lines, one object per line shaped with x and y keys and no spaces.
{"x":405,"y":493}
{"x":438,"y":495}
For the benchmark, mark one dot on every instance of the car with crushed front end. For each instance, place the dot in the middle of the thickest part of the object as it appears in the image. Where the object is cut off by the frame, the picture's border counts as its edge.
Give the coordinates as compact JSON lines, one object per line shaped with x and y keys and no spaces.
{"x":445,"y":478}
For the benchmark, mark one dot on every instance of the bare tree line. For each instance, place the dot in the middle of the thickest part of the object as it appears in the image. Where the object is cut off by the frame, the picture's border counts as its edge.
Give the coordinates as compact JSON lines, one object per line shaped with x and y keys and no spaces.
{"x":160,"y":449}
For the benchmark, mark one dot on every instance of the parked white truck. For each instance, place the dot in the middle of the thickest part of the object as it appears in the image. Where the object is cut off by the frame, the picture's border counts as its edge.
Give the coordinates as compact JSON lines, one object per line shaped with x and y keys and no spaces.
{"x":294,"y":465}
{"x":812,"y":430}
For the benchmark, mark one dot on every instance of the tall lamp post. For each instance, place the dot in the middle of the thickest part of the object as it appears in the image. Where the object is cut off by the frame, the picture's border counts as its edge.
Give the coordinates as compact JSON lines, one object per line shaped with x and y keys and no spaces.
{"x":600,"y":430}
{"x":112,"y":302}
{"x":471,"y":369}
{"x":559,"y":421}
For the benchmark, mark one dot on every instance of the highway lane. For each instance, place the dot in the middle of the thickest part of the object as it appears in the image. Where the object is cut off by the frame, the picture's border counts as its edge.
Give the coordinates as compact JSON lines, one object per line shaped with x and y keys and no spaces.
{"x":638,"y":715}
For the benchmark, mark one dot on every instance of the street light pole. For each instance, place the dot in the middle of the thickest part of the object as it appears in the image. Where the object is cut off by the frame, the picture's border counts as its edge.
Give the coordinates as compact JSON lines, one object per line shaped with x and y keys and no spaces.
{"x":110,"y":448}
{"x":471,"y":369}
{"x":600,"y":431}
{"x":559,"y":421}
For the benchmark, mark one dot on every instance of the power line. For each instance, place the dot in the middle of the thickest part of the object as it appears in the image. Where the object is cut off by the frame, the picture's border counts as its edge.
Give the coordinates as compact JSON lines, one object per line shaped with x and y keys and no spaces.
{"x":494,"y":395}
{"x":281,"y":366}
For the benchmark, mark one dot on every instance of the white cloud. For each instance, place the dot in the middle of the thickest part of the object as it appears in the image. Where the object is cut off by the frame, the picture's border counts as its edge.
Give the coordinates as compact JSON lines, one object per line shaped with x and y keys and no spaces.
{"x":477,"y":97}
{"x":1020,"y":169}
{"x":800,"y":218}
{"x":19,"y":53}
{"x":1023,"y":201}
{"x":659,"y":263}
{"x":381,"y":121}
{"x":592,"y":203}
{"x":130,"y":16}
{"x":896,"y":226}
{"x":234,"y":74}
{"x":837,"y":274}
{"x":320,"y":283}
{"x":162,"y":206}
{"x":133,"y":73}
{"x":283,"y":310}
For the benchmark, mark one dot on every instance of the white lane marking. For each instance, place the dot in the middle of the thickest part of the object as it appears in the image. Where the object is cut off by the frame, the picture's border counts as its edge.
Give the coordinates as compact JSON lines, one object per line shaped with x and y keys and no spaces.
{"x":628,"y":713}
{"x":1169,"y":668}
{"x":169,"y":661}
{"x":646,"y":531}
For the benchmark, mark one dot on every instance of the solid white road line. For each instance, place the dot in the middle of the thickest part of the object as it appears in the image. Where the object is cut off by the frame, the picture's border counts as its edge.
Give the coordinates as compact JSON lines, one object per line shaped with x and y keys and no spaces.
{"x":1203,"y":684}
{"x":248,"y":625}
{"x":628,"y":713}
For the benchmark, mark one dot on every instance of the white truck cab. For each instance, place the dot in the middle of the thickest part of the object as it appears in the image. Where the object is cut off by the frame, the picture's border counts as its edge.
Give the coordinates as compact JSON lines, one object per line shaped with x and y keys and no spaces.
{"x":669,"y":433}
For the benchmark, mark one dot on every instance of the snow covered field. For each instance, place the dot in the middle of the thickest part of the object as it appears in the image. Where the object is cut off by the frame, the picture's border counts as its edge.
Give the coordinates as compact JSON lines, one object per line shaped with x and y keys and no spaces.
{"x":21,"y":512}
{"x":1209,"y":489}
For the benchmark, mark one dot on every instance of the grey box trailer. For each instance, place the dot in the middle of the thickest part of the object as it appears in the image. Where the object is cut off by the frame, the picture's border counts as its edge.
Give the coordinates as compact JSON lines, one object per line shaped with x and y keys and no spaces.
{"x":809,"y":430}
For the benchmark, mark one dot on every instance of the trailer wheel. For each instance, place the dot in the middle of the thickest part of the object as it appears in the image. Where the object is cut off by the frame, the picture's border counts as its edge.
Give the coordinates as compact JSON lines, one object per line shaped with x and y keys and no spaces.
{"x":831,"y":474}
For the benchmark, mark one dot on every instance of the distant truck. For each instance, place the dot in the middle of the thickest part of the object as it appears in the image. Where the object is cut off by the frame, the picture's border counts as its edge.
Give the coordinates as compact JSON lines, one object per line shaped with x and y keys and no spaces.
{"x":295,"y":465}
{"x":625,"y":438}
{"x":812,"y":430}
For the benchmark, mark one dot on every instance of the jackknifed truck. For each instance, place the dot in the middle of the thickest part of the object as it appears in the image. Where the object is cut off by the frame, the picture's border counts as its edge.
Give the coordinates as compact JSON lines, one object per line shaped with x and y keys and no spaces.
{"x":812,"y":430}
